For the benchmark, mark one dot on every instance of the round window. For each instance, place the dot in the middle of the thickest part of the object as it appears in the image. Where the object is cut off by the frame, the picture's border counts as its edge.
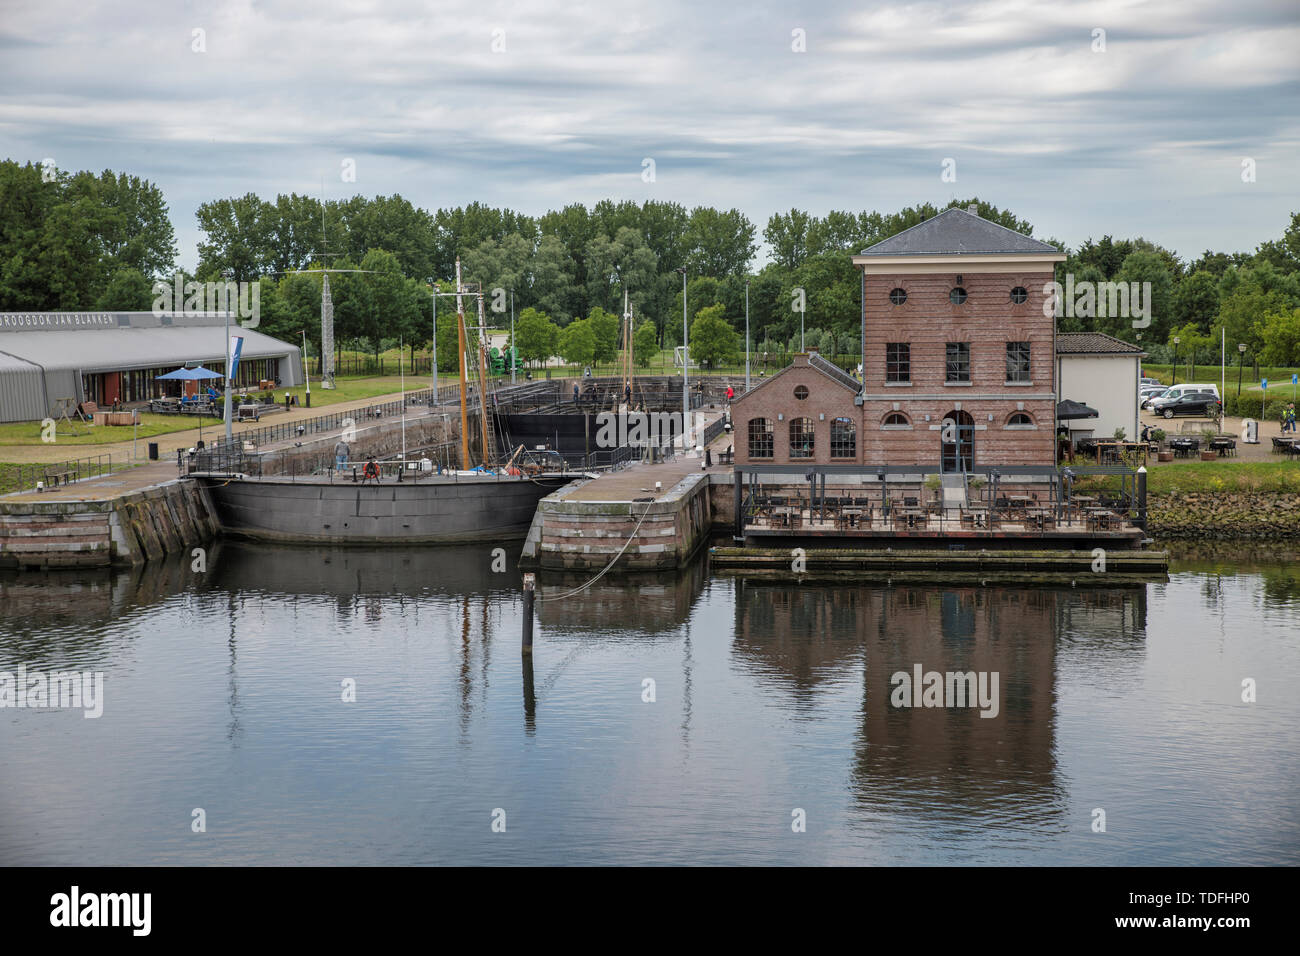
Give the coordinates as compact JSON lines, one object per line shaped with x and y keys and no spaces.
{"x":1019,"y":295}
{"x":957,"y":296}
{"x":801,"y":392}
{"x":898,"y":296}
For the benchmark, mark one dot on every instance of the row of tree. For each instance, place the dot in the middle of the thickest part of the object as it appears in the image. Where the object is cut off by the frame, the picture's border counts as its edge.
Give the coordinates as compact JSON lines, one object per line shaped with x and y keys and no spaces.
{"x":81,"y":241}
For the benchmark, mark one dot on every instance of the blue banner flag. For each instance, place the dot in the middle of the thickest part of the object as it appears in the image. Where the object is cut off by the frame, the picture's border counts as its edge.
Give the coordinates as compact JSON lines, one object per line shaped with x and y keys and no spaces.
{"x":236,"y":346}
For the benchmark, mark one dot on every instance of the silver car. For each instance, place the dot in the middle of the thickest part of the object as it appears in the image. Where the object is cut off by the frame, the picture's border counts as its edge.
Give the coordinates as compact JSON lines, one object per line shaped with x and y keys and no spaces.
{"x":1150,"y":394}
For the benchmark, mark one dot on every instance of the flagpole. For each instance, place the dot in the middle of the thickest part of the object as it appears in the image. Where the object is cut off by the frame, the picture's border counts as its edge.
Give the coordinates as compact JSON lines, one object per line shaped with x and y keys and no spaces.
{"x":306,"y":375}
{"x":229,"y":384}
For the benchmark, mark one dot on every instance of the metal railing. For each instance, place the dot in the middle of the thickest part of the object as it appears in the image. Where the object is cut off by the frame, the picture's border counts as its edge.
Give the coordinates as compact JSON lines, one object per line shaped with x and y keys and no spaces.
{"x":26,"y":477}
{"x":332,"y":421}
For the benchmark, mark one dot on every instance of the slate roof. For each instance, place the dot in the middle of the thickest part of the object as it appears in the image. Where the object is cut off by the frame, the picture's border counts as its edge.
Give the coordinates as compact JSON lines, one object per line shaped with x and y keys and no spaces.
{"x":956,"y":231}
{"x":1093,"y":343}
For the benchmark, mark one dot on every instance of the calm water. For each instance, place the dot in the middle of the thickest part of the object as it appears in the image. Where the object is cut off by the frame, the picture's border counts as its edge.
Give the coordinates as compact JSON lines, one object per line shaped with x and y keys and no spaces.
{"x":223,"y":692}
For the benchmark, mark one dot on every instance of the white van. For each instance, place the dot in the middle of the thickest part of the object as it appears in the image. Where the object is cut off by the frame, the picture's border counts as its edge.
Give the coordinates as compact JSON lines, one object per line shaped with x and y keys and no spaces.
{"x":1191,"y":387}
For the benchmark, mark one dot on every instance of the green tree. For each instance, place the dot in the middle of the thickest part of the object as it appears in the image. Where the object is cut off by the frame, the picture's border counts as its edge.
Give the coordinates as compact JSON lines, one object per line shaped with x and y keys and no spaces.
{"x":645,"y":344}
{"x":578,"y":343}
{"x":536,"y":336}
{"x":1279,"y":333}
{"x":605,"y":329}
{"x":786,"y":236}
{"x":127,"y":291}
{"x":1143,"y":266}
{"x":713,"y":341}
{"x":236,"y":238}
{"x":719,"y":243}
{"x":1197,"y":300}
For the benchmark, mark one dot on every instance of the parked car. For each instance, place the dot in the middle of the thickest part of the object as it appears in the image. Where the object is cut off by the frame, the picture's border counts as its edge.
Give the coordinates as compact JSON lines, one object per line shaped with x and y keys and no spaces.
{"x":1144,"y":382}
{"x":1182,"y":387}
{"x":1150,"y":395}
{"x":1206,"y":404}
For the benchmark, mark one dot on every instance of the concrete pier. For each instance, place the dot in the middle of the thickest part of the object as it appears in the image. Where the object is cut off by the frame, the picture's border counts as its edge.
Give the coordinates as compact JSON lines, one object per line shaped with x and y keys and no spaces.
{"x":621,"y":515}
{"x":126,"y":526}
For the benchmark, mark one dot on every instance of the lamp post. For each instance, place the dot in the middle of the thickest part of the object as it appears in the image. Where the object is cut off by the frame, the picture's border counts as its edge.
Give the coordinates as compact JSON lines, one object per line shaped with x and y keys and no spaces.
{"x":511,"y":356}
{"x":435,"y":341}
{"x":1241,"y":361}
{"x":1176,"y":341}
{"x":686,"y":364}
{"x":747,"y":335}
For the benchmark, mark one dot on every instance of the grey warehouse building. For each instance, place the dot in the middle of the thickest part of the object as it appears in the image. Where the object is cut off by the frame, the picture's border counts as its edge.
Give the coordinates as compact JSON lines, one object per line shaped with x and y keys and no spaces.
{"x":114,"y":358}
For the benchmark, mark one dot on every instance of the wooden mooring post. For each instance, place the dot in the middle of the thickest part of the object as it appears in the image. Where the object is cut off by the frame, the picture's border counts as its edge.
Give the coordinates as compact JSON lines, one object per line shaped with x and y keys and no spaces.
{"x":530,"y":582}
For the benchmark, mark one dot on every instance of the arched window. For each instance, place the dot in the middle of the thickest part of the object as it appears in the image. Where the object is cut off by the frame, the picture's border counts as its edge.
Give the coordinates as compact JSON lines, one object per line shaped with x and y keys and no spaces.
{"x":1020,"y":420}
{"x":844,"y":438}
{"x":761,"y":438}
{"x":802,"y":444}
{"x":895,"y":420}
{"x":898,"y":296}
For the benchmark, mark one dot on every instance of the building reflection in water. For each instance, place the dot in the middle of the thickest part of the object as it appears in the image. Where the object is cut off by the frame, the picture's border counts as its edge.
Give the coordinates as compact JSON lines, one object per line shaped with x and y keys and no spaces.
{"x":950,"y":762}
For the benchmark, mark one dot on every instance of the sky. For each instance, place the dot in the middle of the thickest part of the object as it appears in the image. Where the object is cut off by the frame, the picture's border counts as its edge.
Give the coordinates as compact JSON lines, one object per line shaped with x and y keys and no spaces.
{"x":1085,"y":118}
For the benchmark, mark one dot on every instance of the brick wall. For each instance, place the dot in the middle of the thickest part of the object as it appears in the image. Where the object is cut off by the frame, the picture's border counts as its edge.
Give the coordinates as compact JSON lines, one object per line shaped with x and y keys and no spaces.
{"x":775,"y":400}
{"x":927,"y":321}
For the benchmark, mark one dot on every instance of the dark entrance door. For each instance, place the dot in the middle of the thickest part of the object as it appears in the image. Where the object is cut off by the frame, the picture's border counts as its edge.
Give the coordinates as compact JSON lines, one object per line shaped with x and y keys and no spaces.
{"x":958,"y":437}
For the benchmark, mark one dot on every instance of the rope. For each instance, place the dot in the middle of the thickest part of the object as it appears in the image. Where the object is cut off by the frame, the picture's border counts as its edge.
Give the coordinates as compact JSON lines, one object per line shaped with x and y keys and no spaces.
{"x":613,"y":561}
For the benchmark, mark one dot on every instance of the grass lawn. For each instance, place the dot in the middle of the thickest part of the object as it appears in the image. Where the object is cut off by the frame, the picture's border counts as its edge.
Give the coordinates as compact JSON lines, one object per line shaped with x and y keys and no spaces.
{"x":352,"y":389}
{"x":348,"y":389}
{"x":1191,"y":477}
{"x":29,"y":433}
{"x":1277,"y":377}
{"x":1206,"y":477}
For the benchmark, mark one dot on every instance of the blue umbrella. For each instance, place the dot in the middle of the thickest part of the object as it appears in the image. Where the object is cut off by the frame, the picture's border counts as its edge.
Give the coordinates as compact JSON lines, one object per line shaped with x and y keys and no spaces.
{"x":195,"y":374}
{"x":190,"y":374}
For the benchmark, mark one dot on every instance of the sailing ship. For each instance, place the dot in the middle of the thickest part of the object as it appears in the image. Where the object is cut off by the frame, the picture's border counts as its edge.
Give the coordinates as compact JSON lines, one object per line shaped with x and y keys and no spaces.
{"x":488,"y":501}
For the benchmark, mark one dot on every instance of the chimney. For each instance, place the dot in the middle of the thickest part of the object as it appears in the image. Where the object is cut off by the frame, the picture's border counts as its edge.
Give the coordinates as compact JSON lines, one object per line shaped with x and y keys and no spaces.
{"x":973,"y":209}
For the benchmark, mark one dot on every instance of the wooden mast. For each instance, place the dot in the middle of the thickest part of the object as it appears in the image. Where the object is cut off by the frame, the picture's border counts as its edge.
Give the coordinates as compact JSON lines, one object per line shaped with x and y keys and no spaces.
{"x":464,"y":403}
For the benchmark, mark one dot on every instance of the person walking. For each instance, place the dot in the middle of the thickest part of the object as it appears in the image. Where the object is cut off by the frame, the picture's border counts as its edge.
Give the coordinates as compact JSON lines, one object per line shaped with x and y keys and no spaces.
{"x":575,"y":393}
{"x":341,"y":452}
{"x":731,"y":393}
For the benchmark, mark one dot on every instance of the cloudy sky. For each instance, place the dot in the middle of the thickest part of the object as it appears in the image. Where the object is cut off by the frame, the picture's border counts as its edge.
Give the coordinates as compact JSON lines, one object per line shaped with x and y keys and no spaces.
{"x":1142,"y":130}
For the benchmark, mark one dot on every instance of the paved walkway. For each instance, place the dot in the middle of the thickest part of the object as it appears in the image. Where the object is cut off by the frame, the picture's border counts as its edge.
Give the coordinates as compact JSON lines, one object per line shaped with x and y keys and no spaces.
{"x":1268,"y":430}
{"x":637,"y":481}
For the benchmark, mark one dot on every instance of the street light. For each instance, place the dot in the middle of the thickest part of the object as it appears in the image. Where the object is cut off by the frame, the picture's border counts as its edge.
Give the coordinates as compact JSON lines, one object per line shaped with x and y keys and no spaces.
{"x":747,"y":335}
{"x":435,"y":341}
{"x":1241,"y":348}
{"x":1176,"y":341}
{"x":686,"y":362}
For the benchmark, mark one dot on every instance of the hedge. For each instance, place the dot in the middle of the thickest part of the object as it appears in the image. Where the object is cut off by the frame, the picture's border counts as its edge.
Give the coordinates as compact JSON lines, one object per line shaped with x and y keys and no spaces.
{"x":1247,"y":405}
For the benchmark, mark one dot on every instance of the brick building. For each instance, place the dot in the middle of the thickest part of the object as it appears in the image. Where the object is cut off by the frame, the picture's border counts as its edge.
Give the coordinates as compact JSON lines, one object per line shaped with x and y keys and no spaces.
{"x":954,"y":330}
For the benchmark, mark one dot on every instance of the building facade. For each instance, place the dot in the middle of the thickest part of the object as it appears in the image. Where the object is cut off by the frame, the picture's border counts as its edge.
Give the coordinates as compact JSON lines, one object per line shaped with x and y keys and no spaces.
{"x":1102,"y":372}
{"x":52,"y":361}
{"x":958,"y":369}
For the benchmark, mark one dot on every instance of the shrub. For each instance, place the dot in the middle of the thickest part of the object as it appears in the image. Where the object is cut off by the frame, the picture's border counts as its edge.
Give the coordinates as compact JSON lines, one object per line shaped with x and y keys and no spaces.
{"x":1248,"y":405}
